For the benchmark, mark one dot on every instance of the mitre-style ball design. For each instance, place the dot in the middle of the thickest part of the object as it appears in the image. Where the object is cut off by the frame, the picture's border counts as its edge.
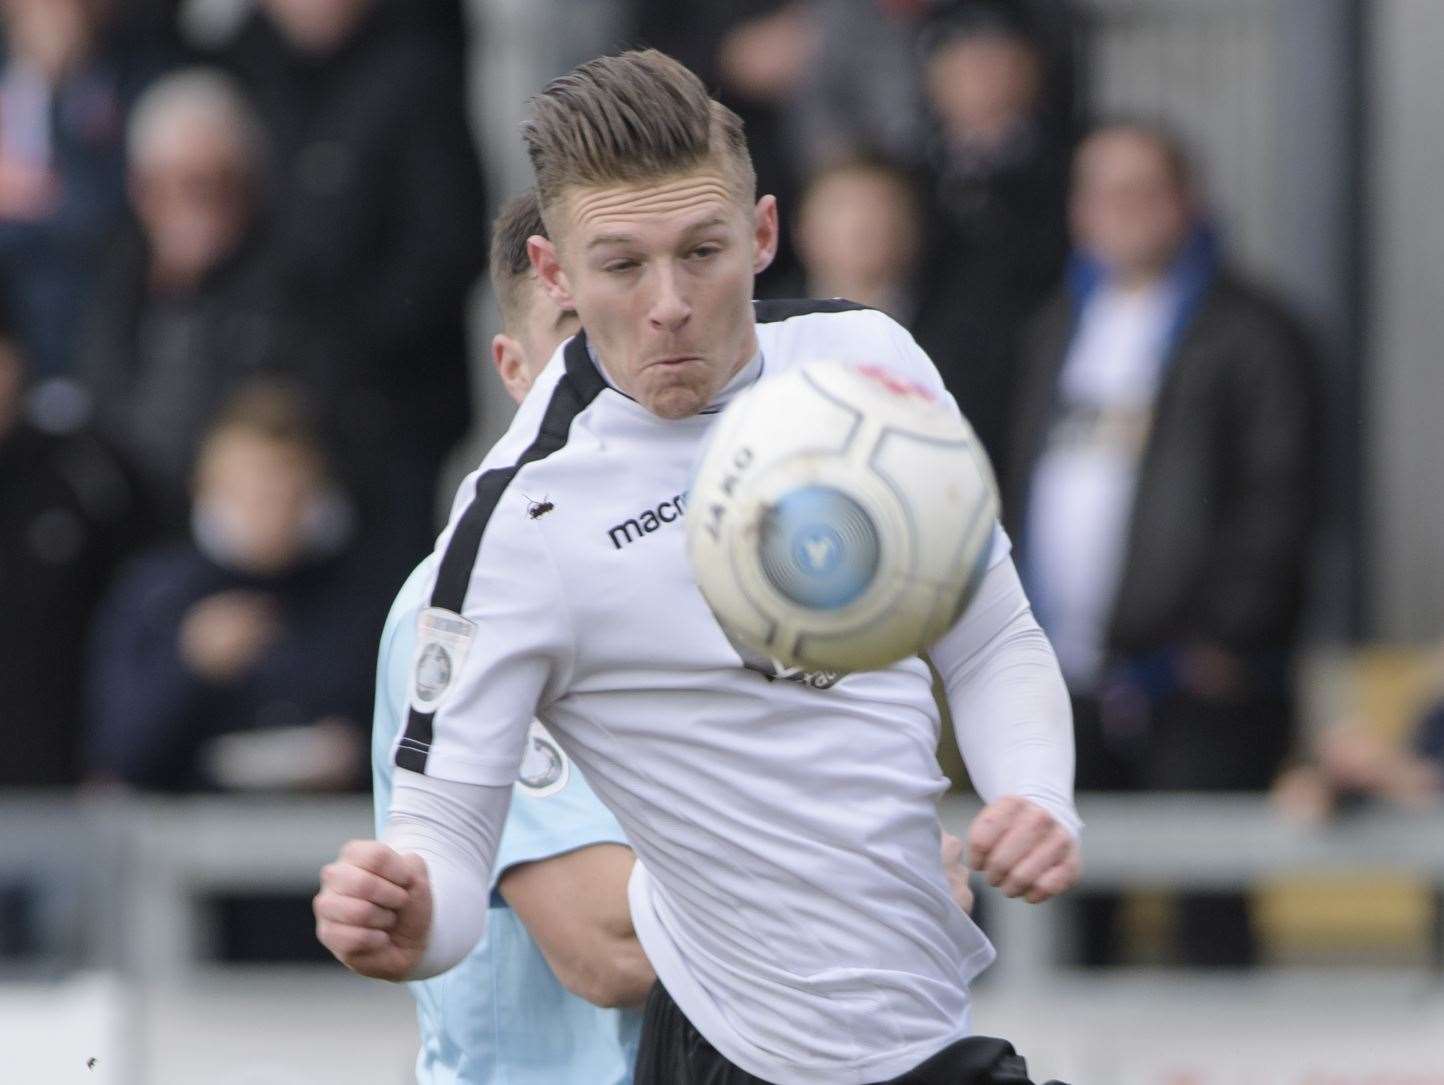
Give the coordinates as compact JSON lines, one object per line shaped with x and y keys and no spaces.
{"x":840,"y":517}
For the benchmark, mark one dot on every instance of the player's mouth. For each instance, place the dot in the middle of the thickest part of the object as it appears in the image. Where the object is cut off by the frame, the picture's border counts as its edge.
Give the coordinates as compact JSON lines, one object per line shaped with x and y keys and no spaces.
{"x":671,"y":361}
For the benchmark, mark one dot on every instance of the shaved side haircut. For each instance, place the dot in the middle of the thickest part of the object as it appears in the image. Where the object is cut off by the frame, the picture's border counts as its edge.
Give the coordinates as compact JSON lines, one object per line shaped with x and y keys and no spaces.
{"x":637,"y":117}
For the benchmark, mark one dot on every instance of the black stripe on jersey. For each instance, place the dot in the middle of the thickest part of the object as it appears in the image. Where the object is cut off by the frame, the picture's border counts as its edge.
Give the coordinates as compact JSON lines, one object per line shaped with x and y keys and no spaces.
{"x":775,"y":310}
{"x":574,"y":392}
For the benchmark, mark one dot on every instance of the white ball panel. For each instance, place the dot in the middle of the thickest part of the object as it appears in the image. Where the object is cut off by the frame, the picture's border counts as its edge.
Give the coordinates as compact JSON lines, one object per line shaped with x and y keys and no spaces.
{"x":906,"y":462}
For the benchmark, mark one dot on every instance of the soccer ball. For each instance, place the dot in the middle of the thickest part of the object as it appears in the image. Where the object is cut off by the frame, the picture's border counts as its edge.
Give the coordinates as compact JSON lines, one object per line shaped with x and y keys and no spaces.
{"x":840,"y":517}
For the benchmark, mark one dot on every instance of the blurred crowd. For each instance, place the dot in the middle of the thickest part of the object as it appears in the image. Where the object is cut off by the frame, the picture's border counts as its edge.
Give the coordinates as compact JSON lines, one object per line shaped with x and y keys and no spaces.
{"x":236,"y":268}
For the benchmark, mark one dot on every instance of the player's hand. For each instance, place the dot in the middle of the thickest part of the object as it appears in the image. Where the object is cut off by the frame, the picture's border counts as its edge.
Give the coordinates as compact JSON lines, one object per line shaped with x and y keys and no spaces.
{"x":374,"y":909}
{"x":957,"y":872}
{"x":1023,"y":850}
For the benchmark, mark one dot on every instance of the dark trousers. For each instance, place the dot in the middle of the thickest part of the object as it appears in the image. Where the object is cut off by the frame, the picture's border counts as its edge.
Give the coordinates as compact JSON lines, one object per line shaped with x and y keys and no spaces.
{"x":1187,"y":744}
{"x":672,"y":1052}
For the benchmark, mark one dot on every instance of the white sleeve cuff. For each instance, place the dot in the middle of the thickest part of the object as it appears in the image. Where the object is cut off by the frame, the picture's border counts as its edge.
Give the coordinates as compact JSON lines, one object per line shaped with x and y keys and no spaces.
{"x":455,"y":828}
{"x":1010,"y":708}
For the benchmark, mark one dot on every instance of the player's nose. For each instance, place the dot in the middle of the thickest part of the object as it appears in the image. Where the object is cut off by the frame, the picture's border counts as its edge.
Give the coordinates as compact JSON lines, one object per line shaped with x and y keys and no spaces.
{"x":670,"y":309}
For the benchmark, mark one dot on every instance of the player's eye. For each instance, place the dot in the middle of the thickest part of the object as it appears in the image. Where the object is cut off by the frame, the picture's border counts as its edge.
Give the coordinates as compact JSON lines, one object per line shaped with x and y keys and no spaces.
{"x":619,"y":266}
{"x":702,"y":252}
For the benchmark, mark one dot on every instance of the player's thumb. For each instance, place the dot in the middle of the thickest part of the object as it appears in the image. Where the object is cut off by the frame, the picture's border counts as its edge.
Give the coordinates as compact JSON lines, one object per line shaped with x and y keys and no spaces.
{"x":419,"y":880}
{"x":414,"y":921}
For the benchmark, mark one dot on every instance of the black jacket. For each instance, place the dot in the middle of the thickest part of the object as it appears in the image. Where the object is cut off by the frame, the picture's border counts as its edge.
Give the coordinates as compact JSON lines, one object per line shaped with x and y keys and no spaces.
{"x":997,"y":246}
{"x":1218,"y":548}
{"x":155,"y":390}
{"x":68,"y":514}
{"x":378,"y":216}
{"x":151,"y":715}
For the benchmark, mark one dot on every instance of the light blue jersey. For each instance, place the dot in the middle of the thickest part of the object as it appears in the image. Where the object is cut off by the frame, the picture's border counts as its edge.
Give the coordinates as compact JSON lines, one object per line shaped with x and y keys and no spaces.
{"x":501,"y":1017}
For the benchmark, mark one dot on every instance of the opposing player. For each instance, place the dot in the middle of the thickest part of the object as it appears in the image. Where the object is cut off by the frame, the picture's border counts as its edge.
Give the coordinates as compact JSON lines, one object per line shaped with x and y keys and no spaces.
{"x":788,"y":891}
{"x":551,"y":993}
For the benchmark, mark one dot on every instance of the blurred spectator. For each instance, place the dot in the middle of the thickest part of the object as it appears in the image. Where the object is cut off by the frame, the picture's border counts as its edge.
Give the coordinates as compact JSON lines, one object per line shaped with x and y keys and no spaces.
{"x":185,"y":309}
{"x":243,"y":658}
{"x":863,"y":88}
{"x":1354,"y":764}
{"x":63,"y":94}
{"x":858,"y":233}
{"x":998,"y":160}
{"x":379,"y":230}
{"x":1163,"y":500}
{"x":68,"y":515}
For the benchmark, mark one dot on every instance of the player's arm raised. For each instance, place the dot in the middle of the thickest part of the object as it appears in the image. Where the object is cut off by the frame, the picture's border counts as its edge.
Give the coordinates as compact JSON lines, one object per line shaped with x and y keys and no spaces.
{"x":1015,"y":731}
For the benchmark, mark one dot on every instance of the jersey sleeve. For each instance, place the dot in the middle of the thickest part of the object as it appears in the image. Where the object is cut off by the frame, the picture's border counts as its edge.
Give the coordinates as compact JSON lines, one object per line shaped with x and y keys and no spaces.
{"x":553,"y":809}
{"x":391,"y":672}
{"x":493,"y":643}
{"x":393,"y":669}
{"x":1011,"y":713}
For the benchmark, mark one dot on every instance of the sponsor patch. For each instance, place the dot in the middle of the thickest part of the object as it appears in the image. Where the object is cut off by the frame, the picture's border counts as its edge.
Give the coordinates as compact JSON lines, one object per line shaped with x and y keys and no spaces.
{"x":442,"y":641}
{"x":773,"y":669}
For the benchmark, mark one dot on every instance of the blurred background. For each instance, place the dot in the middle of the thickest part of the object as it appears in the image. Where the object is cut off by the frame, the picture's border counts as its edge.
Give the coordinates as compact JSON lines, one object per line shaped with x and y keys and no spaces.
{"x":1178,"y":260}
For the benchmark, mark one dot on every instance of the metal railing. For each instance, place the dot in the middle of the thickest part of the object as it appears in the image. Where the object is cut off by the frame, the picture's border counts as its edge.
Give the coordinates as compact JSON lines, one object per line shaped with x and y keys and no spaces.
{"x":123,"y":881}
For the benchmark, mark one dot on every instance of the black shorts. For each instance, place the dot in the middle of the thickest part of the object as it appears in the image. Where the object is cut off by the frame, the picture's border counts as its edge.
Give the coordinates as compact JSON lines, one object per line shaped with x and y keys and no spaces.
{"x":672,"y":1052}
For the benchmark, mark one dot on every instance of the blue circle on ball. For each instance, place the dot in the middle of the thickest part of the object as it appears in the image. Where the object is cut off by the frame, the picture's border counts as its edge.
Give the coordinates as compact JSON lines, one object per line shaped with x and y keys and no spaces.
{"x":819,"y":548}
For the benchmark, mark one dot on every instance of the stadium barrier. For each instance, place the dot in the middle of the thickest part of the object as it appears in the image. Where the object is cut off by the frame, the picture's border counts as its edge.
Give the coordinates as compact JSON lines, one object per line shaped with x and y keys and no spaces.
{"x":122,"y":881}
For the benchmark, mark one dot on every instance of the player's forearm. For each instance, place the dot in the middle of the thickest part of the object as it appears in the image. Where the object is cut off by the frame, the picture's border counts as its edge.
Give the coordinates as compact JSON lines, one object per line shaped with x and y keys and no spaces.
{"x":455,"y":828}
{"x":1010,"y":707}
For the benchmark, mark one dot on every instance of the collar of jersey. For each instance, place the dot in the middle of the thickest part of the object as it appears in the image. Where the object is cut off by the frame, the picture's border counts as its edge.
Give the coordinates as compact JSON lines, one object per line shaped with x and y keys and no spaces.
{"x":588,"y":369}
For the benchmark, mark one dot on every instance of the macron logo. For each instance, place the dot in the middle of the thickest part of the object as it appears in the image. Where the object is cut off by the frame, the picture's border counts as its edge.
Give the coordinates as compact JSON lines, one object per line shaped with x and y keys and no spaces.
{"x":647,"y":521}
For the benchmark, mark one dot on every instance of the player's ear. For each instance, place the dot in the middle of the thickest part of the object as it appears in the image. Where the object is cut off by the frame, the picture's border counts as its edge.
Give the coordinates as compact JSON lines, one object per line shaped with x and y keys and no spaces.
{"x":543,"y":256}
{"x":764,"y":234}
{"x":510,"y":362}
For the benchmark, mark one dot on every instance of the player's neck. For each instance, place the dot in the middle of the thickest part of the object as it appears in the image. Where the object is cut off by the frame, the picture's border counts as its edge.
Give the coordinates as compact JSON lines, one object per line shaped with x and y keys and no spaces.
{"x":741,"y":378}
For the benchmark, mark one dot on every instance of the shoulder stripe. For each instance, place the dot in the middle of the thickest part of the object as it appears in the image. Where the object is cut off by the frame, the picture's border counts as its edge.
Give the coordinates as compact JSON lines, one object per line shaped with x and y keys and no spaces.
{"x":775,"y":310}
{"x":573,"y":394}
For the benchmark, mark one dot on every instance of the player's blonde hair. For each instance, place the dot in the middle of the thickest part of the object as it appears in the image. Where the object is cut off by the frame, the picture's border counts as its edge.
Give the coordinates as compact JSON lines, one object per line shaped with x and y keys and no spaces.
{"x":636,"y":117}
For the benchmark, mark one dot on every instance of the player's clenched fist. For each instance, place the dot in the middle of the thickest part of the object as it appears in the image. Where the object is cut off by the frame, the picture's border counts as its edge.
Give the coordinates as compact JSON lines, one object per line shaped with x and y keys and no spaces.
{"x":374,"y":909}
{"x":1023,"y":850}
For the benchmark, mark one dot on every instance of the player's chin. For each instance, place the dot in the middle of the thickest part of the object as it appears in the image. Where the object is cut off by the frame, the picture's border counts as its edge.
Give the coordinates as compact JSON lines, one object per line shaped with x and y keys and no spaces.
{"x":675,"y":399}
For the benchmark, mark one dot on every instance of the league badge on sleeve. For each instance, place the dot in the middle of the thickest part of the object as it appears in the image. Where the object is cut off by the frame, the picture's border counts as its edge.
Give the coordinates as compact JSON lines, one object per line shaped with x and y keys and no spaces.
{"x":544,"y":767}
{"x":442,"y":641}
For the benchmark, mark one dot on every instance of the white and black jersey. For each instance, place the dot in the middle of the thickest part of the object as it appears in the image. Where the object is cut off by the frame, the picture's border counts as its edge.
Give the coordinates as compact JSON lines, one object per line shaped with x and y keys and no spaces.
{"x":788,"y":891}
